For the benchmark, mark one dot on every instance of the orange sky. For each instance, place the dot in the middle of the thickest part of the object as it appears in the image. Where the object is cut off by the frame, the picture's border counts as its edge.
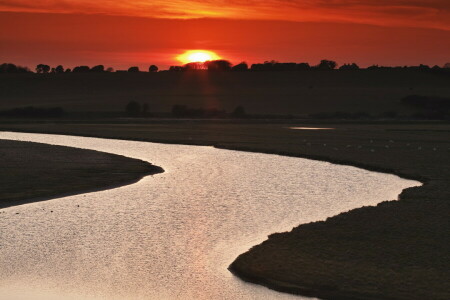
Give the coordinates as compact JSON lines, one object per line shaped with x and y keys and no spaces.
{"x":143,"y":32}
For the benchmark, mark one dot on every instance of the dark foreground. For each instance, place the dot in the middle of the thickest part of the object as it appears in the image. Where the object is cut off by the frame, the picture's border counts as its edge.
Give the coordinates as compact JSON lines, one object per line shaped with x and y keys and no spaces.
{"x":33,"y":172}
{"x":397,"y":250}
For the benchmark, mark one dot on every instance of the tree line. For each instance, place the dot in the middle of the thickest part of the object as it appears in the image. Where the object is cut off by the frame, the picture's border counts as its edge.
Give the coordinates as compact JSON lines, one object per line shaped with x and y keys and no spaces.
{"x":46,"y":69}
{"x":224,"y":65}
{"x":41,"y":68}
{"x":221,"y":65}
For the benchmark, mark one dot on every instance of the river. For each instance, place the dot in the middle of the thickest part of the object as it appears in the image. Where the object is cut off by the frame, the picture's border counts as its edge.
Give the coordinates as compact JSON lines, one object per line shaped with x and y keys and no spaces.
{"x":172,"y":235}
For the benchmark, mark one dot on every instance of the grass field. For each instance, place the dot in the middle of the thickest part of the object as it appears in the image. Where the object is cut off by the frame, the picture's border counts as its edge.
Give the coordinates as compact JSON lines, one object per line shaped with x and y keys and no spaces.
{"x":287,"y":93}
{"x":33,"y":172}
{"x":397,"y":250}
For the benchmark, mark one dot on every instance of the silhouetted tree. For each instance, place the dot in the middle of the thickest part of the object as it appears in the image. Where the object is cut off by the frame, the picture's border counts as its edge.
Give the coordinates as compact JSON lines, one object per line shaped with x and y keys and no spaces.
{"x":447,"y":66}
{"x":12,"y":68}
{"x":303,"y":67}
{"x":327,"y":65}
{"x":218,"y":65}
{"x":153,"y":68}
{"x":257,"y":67}
{"x":274,"y":66}
{"x":352,"y":66}
{"x":242,"y":67}
{"x":176,"y":68}
{"x":98,"y":69}
{"x":59,"y":69}
{"x":68,"y":71}
{"x":133,"y":109}
{"x":377,"y":67}
{"x":6,"y":68}
{"x":81,"y":69}
{"x":420,"y":67}
{"x":133,"y":70}
{"x":41,"y":68}
{"x":285,"y":67}
{"x":194,"y":66}
{"x":239,"y":112}
{"x":266,"y":66}
{"x":110,"y":70}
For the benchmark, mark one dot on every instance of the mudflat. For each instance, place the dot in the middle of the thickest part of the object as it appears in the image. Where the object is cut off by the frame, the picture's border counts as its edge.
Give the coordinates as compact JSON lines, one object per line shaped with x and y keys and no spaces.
{"x":35,"y":172}
{"x":397,"y":250}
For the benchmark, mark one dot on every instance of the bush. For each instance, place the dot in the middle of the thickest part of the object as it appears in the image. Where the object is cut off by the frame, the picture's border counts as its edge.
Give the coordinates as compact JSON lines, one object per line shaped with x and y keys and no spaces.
{"x":242,"y":67}
{"x":327,"y":65}
{"x":133,"y":109}
{"x":59,"y":69}
{"x":133,"y":70}
{"x":218,"y":65}
{"x":12,"y":68}
{"x":41,"y":68}
{"x":81,"y":69}
{"x":239,"y":112}
{"x":352,"y":66}
{"x":98,"y":69}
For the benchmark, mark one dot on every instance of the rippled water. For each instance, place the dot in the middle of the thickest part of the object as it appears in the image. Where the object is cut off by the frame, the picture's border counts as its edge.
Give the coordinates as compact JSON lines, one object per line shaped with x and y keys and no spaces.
{"x":173,"y":235}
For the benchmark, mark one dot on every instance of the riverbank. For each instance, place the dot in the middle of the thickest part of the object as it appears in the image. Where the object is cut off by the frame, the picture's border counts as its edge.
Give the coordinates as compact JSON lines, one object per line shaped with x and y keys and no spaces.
{"x":397,"y":250}
{"x":35,"y":172}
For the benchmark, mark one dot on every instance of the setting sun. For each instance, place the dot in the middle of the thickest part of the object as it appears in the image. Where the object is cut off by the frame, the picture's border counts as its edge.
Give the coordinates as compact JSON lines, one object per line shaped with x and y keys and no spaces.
{"x":197,"y":56}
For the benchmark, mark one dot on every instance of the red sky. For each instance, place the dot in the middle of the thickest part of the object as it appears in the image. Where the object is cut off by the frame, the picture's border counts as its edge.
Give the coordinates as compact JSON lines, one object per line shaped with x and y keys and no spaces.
{"x":142,"y":32}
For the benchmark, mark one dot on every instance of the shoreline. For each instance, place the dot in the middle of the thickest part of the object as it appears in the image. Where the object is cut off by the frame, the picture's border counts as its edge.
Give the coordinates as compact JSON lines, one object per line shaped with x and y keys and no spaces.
{"x":326,"y":292}
{"x":294,"y":289}
{"x":14,"y":203}
{"x":145,"y":169}
{"x":332,"y":160}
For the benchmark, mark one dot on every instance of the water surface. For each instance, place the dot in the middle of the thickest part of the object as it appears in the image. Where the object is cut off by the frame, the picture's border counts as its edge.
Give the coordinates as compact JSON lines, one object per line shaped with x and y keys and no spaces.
{"x":172,"y":235}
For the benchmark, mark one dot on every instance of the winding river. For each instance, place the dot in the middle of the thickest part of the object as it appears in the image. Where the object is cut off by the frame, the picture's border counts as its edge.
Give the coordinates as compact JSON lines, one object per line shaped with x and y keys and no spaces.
{"x":172,"y":235}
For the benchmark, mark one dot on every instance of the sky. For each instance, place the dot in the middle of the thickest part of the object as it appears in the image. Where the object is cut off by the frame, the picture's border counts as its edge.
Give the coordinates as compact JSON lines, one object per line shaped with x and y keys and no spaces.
{"x":143,"y":32}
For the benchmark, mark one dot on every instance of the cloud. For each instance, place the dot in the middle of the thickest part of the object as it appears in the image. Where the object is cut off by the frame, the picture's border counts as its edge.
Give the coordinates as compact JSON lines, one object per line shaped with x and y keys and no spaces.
{"x":409,"y":13}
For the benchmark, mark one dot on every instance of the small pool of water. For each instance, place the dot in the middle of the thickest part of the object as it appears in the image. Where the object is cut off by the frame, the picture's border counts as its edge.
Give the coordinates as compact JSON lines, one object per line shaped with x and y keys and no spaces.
{"x":310,"y":128}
